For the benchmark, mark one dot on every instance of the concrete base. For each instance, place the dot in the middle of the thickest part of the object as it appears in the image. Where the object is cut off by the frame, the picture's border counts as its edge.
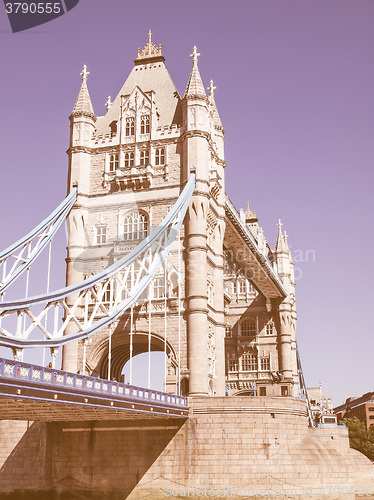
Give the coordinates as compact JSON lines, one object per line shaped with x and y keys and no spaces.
{"x":238,"y":447}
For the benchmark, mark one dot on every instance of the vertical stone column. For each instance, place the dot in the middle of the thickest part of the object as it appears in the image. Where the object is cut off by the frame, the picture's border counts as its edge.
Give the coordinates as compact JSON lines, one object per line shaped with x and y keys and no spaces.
{"x":219,"y":306}
{"x":196,"y":285}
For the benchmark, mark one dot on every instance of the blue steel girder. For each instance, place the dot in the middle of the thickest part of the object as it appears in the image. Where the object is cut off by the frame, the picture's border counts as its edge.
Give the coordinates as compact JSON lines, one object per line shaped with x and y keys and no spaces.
{"x":29,"y":392}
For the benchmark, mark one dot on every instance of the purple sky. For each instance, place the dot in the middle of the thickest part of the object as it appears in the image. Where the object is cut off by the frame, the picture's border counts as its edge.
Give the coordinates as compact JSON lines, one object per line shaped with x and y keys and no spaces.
{"x":295,"y":84}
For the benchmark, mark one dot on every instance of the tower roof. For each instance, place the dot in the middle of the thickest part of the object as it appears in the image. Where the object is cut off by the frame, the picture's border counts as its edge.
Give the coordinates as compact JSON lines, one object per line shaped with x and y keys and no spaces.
{"x":83,"y":105}
{"x":150,"y":75}
{"x":195,"y":87}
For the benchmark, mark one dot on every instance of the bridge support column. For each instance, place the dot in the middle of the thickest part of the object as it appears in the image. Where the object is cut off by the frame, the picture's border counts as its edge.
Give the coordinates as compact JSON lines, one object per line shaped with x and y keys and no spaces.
{"x":197,"y":309}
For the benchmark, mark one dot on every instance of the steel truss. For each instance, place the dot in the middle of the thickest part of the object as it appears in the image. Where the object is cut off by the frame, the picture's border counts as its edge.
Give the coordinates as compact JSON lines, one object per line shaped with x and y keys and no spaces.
{"x":18,"y":258}
{"x":99,"y":300}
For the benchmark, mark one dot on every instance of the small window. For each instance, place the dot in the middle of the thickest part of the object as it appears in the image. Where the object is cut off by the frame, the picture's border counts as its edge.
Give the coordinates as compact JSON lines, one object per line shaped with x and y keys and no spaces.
{"x":159,"y":287}
{"x":228,"y":331}
{"x":262,"y":391}
{"x":248,"y":328}
{"x":135,"y":226}
{"x":113,"y":162}
{"x":101,"y":235}
{"x":241,"y":288}
{"x":160,"y":156}
{"x":233,"y":365}
{"x":144,"y":157}
{"x":144,"y":124}
{"x":129,"y":160}
{"x":270,"y":328}
{"x":248,"y":362}
{"x":130,"y":127}
{"x":284,"y":390}
{"x":113,"y":128}
{"x":371,"y":417}
{"x":371,"y":408}
{"x":265,"y":364}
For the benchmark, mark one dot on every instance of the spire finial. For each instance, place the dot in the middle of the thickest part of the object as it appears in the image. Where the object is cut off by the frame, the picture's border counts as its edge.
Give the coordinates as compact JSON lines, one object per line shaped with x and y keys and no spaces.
{"x":250,"y":215}
{"x":84,"y":73}
{"x":108,"y":103}
{"x":285,"y":236}
{"x":280,"y":224}
{"x":211,"y":89}
{"x":195,"y":54}
{"x":150,"y":50}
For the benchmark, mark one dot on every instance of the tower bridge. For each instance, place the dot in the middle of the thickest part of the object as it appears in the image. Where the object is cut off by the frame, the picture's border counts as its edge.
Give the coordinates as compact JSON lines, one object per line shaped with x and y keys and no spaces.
{"x":203,"y":286}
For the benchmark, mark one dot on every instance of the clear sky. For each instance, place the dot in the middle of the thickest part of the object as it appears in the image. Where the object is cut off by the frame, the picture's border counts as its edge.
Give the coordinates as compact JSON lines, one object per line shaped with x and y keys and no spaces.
{"x":295,"y":92}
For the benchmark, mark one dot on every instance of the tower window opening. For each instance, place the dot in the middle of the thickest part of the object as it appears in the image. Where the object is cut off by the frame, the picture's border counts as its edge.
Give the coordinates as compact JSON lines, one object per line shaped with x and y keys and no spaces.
{"x":135,"y":226}
{"x":113,"y":162}
{"x":101,"y":235}
{"x":144,"y":157}
{"x":160,"y":156}
{"x":248,"y":362}
{"x":130,"y":126}
{"x":248,"y":328}
{"x":129,"y":159}
{"x":159,"y":287}
{"x":144,"y":124}
{"x":270,"y":328}
{"x":265,"y":363}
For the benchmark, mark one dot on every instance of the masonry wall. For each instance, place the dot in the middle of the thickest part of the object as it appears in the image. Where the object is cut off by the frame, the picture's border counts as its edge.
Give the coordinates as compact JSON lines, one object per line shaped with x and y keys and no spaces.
{"x":236,"y":443}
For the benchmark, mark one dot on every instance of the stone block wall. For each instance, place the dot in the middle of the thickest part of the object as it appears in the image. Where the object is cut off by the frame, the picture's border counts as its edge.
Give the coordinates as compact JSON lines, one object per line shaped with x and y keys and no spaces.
{"x":239,"y":446}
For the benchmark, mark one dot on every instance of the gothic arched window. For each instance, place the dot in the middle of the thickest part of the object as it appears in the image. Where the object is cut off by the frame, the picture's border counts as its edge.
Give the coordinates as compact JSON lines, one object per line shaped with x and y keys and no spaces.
{"x":248,"y":328}
{"x":248,"y":362}
{"x":144,"y":157}
{"x":113,"y":162}
{"x":130,"y":126}
{"x":144,"y":124}
{"x":135,"y":226}
{"x":270,"y":328}
{"x":129,"y":159}
{"x":160,"y":156}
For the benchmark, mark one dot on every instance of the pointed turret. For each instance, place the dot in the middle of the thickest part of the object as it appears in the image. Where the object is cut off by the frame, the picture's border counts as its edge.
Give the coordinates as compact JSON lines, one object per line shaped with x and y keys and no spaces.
{"x":195,"y":88}
{"x":83,"y":105}
{"x":281,"y":244}
{"x":213,"y":108}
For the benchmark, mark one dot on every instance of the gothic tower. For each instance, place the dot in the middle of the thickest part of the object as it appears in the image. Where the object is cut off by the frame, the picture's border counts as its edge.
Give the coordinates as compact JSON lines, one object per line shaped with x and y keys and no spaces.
{"x":228,"y":298}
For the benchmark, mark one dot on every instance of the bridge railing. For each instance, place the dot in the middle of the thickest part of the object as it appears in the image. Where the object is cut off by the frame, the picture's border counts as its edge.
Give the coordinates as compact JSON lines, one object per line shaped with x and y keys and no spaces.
{"x":16,"y":370}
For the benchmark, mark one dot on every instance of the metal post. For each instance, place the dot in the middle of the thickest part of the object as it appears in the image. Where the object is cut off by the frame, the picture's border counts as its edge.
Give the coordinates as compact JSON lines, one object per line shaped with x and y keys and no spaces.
{"x":131,"y":340}
{"x":165,"y":324}
{"x":179,"y":313}
{"x":110,"y":351}
{"x":84,"y":357}
{"x":149,"y":328}
{"x":48,"y":283}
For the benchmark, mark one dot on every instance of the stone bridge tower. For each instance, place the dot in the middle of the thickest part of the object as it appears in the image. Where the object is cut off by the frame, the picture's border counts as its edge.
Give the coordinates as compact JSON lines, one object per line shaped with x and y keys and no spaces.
{"x":129,"y":166}
{"x":231,"y":310}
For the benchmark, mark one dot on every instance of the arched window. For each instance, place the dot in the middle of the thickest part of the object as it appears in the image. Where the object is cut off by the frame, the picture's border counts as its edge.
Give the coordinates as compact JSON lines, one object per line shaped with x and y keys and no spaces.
{"x":144,"y":124}
{"x":135,"y":226}
{"x":130,"y":126}
{"x":248,"y":328}
{"x":144,"y":157}
{"x":159,"y":287}
{"x":113,"y":162}
{"x":248,"y":362}
{"x":160,"y":156}
{"x":270,"y":328}
{"x":101,"y":234}
{"x":129,"y":159}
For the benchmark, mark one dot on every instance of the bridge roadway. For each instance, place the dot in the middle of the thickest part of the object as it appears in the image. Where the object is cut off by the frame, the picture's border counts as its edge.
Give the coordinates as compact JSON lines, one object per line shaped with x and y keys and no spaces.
{"x":30,"y":392}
